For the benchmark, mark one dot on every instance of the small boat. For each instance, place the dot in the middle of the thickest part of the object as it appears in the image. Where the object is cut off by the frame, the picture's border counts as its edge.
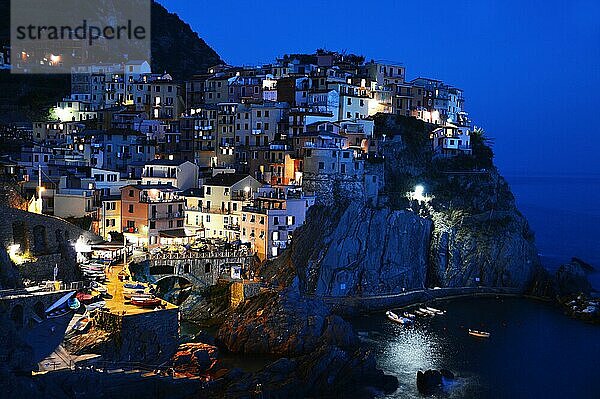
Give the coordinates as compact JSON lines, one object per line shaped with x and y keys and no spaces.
{"x":101,"y":288}
{"x":434,"y":310}
{"x":95,"y":305}
{"x":82,"y":324}
{"x":146,"y":302}
{"x":479,"y":334}
{"x":131,"y":286}
{"x":422,"y":314}
{"x":408,"y":315}
{"x":84,"y":297}
{"x":63,"y":306}
{"x":398,"y":319}
{"x":429,"y":312}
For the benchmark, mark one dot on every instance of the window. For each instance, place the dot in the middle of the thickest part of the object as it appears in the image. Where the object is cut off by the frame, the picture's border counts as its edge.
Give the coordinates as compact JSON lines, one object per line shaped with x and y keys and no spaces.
{"x":321,"y":165}
{"x":276,"y":220}
{"x":207,"y":268}
{"x":152,"y":224}
{"x":131,"y":208}
{"x":131,"y":193}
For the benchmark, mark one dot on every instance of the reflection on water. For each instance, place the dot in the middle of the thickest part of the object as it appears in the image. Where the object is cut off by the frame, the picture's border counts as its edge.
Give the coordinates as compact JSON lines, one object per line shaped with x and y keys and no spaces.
{"x":531,"y":344}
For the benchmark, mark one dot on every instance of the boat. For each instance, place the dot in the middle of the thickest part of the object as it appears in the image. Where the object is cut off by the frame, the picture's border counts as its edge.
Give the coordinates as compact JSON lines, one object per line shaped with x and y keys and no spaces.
{"x":134,"y":286}
{"x":429,"y":312}
{"x":479,"y":334}
{"x":95,"y":305}
{"x":144,"y":302}
{"x":398,"y":319}
{"x":101,"y":288}
{"x":434,"y":310}
{"x":408,"y":315}
{"x":82,"y":324}
{"x":84,"y":297}
{"x":422,"y":314}
{"x":61,"y":306}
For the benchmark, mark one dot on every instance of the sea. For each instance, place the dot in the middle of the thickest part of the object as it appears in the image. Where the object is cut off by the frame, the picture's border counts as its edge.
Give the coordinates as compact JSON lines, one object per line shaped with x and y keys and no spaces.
{"x":534,"y":350}
{"x":564,"y":213}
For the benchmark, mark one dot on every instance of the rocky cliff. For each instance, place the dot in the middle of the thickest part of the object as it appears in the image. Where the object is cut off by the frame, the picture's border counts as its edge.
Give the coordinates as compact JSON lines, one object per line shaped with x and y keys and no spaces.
{"x":366,"y":251}
{"x":469,"y":233}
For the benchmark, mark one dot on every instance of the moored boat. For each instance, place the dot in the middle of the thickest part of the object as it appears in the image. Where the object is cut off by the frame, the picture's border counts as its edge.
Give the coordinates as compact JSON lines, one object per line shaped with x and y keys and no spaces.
{"x":398,"y":319}
{"x":95,"y":305}
{"x":479,"y":334}
{"x":82,"y":324}
{"x":436,"y":311}
{"x":84,"y":297}
{"x":408,"y":315}
{"x":428,"y":312}
{"x":422,"y":314}
{"x":145,"y":302}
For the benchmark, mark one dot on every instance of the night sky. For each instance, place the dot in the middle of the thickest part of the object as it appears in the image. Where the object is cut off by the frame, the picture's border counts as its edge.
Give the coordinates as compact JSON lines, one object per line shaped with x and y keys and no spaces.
{"x":530,"y":69}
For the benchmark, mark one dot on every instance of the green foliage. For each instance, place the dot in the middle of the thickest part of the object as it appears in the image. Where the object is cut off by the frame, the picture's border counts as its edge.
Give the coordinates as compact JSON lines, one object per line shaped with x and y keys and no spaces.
{"x":483,"y":154}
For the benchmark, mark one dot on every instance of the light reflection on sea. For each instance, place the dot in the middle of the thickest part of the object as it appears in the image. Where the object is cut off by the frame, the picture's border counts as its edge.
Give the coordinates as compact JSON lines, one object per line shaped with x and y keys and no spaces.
{"x":530,"y":342}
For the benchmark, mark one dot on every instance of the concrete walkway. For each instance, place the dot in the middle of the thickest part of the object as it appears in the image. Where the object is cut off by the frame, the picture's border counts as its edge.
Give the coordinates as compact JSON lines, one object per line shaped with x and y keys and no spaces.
{"x":352,"y":305}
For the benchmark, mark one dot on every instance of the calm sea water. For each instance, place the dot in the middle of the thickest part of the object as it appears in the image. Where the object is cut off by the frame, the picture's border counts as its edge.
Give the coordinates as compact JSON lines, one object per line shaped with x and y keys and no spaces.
{"x":564,"y":212}
{"x":534,"y":350}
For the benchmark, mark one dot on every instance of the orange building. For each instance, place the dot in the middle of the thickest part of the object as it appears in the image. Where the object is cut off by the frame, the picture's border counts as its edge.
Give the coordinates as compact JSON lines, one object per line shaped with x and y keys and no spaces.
{"x":149,"y":210}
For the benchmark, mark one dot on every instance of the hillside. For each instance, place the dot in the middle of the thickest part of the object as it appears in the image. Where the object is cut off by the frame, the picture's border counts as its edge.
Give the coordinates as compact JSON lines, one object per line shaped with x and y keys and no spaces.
{"x":176,"y":48}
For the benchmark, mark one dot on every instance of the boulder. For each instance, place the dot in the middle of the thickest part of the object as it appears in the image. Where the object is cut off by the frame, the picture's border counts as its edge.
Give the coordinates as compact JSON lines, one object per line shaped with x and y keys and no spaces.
{"x":195,"y":358}
{"x":429,"y":382}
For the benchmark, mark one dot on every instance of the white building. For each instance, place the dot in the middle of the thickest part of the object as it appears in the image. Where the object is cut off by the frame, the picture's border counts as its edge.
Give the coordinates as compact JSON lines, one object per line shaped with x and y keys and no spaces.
{"x":180,"y":174}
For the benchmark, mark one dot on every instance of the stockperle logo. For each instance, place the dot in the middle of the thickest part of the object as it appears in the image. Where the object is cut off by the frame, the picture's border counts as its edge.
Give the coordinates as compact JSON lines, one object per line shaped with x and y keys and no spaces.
{"x":62,"y":36}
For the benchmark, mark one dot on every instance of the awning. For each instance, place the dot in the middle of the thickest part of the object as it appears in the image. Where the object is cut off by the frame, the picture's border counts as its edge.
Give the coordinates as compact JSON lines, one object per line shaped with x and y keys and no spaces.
{"x":174,"y":233}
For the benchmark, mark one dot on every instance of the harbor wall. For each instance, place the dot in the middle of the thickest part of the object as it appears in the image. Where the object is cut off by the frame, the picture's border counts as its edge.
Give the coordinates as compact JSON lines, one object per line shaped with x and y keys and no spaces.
{"x":150,"y":337}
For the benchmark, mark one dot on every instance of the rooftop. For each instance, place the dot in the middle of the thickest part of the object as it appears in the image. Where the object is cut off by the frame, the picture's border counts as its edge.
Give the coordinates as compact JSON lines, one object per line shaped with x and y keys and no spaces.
{"x":225,"y":179}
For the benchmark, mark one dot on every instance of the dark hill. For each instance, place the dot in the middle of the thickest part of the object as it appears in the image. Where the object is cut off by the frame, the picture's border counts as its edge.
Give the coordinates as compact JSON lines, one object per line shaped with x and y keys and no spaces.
{"x":176,"y":48}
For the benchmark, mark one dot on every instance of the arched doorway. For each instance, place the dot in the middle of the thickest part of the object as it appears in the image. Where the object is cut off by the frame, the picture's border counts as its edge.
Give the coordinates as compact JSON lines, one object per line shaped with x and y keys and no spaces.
{"x":16,"y":315}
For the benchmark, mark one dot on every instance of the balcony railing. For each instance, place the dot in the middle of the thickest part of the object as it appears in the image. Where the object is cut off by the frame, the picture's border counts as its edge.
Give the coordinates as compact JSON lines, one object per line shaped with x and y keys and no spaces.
{"x":131,"y":230}
{"x":168,"y":215}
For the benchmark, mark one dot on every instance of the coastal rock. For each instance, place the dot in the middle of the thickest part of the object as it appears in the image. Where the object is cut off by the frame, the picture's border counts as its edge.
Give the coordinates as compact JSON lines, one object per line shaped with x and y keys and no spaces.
{"x":283,"y":323}
{"x":493,"y":249}
{"x":571,"y":278}
{"x":359,"y":251}
{"x":429,"y":382}
{"x":195,"y":358}
{"x":329,"y":371}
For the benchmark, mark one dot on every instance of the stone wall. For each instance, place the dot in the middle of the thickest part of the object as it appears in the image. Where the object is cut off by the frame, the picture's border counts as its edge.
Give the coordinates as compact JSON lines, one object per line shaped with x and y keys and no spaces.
{"x":38,"y":234}
{"x":150,"y":337}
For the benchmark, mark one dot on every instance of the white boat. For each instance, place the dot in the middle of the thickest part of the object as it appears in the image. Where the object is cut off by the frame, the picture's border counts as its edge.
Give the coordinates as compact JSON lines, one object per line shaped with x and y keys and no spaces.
{"x":82,"y":324}
{"x":479,"y":334}
{"x":422,"y":314}
{"x":436,"y":311}
{"x":429,"y":312}
{"x":398,"y":319}
{"x":408,"y":315}
{"x":95,"y":305}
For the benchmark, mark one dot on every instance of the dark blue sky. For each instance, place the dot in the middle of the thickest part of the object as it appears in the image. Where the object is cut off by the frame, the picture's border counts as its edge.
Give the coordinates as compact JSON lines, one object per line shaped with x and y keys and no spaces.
{"x":530,"y":69}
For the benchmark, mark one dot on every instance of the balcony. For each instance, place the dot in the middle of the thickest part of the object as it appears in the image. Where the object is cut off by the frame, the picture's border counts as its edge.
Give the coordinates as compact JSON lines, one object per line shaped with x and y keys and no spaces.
{"x":232,"y":227}
{"x":257,"y":131}
{"x":168,"y":215}
{"x":131,"y":230}
{"x":148,"y":199}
